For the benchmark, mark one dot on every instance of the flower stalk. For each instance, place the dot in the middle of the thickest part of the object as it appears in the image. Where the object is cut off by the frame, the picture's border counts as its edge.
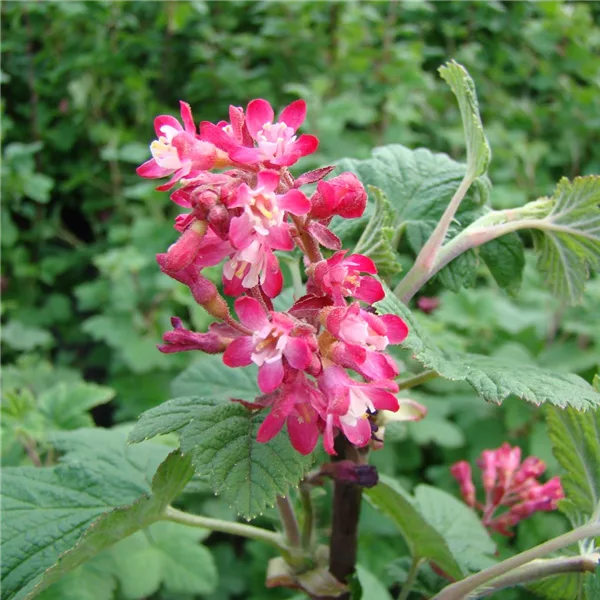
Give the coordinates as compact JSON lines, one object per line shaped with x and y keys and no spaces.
{"x":464,"y":588}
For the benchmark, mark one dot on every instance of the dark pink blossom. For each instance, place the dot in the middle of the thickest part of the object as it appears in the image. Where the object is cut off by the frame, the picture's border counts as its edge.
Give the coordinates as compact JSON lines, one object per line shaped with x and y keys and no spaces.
{"x":348,"y":404}
{"x":294,"y":404}
{"x":276,"y":337}
{"x":254,"y":265}
{"x":184,"y":340}
{"x":363,"y":337}
{"x":265,"y":213}
{"x":461,"y":471}
{"x":276,"y":142}
{"x":340,"y":277}
{"x":508,"y":484}
{"x":343,"y":195}
{"x":178,"y":151}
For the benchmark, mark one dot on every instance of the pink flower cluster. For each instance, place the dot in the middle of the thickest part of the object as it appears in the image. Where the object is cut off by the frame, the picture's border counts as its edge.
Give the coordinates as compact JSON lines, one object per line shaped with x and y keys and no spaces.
{"x":508,"y":483}
{"x":243,"y":204}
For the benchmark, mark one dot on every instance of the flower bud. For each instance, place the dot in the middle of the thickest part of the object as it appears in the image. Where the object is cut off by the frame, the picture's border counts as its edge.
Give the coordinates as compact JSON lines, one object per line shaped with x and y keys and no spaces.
{"x":343,"y":195}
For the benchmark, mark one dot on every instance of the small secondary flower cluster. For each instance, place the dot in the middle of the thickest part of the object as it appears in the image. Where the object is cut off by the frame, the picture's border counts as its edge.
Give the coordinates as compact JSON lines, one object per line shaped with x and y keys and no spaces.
{"x":243,"y":204}
{"x":508,"y":483}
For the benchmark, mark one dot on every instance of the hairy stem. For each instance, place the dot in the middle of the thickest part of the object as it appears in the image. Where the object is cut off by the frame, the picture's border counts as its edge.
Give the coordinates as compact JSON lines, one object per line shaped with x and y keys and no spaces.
{"x":233,"y":528}
{"x":289,"y":521}
{"x":309,"y":245}
{"x":308,"y":523}
{"x":416,"y":380}
{"x":343,"y":545}
{"x":410,"y":580}
{"x":538,"y":569}
{"x":421,"y":270}
{"x":462,"y":589}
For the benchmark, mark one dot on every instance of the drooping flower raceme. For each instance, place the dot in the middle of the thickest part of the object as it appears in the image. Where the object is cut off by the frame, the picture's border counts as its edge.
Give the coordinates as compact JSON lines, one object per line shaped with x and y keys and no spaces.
{"x":243,"y":204}
{"x":510,"y":486}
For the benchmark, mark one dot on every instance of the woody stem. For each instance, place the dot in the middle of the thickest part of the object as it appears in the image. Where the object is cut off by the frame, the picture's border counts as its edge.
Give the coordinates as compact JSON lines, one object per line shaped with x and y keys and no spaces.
{"x":346,"y":511}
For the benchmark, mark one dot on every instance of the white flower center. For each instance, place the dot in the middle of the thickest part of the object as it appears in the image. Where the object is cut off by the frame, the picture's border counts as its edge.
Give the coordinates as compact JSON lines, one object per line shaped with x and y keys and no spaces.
{"x":273,"y":140}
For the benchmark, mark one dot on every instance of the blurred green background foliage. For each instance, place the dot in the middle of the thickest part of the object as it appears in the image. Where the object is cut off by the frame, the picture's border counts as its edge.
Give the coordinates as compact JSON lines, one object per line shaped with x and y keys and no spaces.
{"x":83,"y":298}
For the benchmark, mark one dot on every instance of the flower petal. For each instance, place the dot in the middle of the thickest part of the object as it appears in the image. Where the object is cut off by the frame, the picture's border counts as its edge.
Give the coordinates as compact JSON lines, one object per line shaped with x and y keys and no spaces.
{"x":363,"y":263}
{"x":239,"y":352}
{"x":270,"y":427}
{"x":304,"y":434}
{"x":359,"y":434}
{"x":270,"y":376}
{"x":167,"y":120}
{"x":397,"y":329}
{"x":245,"y":156}
{"x":273,"y":281}
{"x":186,"y":117}
{"x":297,"y":353}
{"x":294,"y":114}
{"x":251,"y":313}
{"x":294,"y":202}
{"x":268,"y":179}
{"x":258,"y":113}
{"x":151,"y":170}
{"x":369,"y":290}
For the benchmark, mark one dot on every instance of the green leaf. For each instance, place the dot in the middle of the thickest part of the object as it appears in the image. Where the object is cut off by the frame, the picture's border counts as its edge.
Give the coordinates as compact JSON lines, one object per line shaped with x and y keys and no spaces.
{"x":376,"y":240}
{"x":94,"y":580}
{"x":478,"y":150}
{"x":493,"y":379}
{"x":208,"y":376}
{"x":66,"y":406}
{"x":567,"y":237}
{"x":575,"y":440}
{"x":221,"y":439}
{"x":25,"y":337}
{"x":371,"y":586}
{"x":505,"y":258}
{"x":164,"y":553}
{"x":461,"y":528}
{"x":422,"y":538}
{"x":418,"y":185}
{"x":97,"y":495}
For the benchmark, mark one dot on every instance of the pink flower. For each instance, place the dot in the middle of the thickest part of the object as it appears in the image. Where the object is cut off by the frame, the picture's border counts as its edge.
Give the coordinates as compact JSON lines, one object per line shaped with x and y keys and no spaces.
{"x":293,"y":404}
{"x":343,"y":195}
{"x":508,"y":483}
{"x":461,"y":471}
{"x":275,"y":339}
{"x":264,"y":213}
{"x":339,"y":277}
{"x":348,"y":404}
{"x":183,"y":340}
{"x":197,"y":245}
{"x":276,"y":143}
{"x":363,"y":337}
{"x":178,"y":151}
{"x":253,"y":265}
{"x":428,"y":304}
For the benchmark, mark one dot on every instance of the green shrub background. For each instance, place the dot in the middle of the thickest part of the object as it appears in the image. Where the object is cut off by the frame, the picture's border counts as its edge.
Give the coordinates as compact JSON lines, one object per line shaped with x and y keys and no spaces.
{"x":82,"y":296}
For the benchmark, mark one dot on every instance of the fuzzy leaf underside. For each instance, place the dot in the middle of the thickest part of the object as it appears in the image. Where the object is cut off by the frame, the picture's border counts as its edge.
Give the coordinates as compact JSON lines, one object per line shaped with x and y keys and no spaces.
{"x":463,"y":87}
{"x":57,"y":518}
{"x":221,"y":439}
{"x":568,"y":237}
{"x":376,"y":241}
{"x":493,"y":379}
{"x":576,"y":445}
{"x":418,"y":185}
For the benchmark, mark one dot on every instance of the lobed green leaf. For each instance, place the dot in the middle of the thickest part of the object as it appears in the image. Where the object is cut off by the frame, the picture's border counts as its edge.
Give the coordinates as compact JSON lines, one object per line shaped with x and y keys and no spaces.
{"x":54,"y":519}
{"x":493,"y":379}
{"x":221,"y":439}
{"x":478,"y":150}
{"x":567,"y":238}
